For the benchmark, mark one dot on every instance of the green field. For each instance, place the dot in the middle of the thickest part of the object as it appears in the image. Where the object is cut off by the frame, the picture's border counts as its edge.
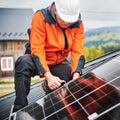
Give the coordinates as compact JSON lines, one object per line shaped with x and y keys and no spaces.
{"x":7,"y":86}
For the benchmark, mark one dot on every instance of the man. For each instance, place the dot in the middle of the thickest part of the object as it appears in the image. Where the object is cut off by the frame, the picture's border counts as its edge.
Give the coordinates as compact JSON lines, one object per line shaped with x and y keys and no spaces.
{"x":56,"y":31}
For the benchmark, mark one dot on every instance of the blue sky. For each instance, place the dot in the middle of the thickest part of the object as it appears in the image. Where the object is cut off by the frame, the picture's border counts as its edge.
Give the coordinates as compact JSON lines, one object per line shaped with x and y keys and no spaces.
{"x":95,"y":13}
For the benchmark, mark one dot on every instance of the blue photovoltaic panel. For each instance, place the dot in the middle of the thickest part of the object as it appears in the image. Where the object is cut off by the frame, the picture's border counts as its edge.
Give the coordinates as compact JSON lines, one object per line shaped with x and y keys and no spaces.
{"x":94,"y":96}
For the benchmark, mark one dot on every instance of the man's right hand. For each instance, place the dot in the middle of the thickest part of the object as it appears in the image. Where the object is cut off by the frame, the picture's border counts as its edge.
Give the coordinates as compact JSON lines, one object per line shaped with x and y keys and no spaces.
{"x":53,"y":81}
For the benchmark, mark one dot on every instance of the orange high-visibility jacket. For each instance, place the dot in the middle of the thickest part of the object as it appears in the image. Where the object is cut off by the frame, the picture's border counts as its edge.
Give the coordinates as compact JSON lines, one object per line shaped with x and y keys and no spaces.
{"x":47,"y":42}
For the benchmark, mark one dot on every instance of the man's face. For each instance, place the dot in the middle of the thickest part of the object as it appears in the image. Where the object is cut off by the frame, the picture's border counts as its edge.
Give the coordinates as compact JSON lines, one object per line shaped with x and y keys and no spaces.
{"x":61,"y":22}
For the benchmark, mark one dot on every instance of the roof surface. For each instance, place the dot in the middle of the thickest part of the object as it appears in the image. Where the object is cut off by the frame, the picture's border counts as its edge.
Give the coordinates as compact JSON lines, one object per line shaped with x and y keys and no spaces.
{"x":14,"y":23}
{"x":93,"y":96}
{"x":37,"y":92}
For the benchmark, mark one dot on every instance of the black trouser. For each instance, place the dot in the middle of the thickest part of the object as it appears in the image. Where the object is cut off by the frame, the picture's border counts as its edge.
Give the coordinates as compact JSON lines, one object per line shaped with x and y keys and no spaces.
{"x":24,"y":69}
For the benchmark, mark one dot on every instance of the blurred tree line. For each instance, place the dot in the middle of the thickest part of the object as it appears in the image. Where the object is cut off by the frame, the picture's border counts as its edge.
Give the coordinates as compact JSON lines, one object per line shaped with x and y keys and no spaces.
{"x":97,"y":45}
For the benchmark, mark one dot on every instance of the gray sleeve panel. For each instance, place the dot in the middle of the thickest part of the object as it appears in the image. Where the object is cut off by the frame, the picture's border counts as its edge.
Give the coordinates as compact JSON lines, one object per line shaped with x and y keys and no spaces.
{"x":81,"y":63}
{"x":38,"y":64}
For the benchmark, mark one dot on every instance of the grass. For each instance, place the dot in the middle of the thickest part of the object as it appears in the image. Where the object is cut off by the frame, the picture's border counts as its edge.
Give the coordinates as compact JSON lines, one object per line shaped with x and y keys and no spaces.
{"x":7,"y":86}
{"x":6,"y":82}
{"x":33,"y":81}
{"x":6,"y":90}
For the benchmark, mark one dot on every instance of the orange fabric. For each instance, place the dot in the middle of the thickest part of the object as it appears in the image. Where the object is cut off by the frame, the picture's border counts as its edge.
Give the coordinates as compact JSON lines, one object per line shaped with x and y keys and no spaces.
{"x":47,"y":42}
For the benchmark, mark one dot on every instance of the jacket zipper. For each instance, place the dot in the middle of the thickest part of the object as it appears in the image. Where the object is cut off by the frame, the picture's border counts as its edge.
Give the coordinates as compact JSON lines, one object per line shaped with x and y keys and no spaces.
{"x":65,"y":39}
{"x":56,"y":57}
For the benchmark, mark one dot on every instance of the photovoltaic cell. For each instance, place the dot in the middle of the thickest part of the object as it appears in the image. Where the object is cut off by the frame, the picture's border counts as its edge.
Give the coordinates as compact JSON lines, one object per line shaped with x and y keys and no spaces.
{"x":94,"y":96}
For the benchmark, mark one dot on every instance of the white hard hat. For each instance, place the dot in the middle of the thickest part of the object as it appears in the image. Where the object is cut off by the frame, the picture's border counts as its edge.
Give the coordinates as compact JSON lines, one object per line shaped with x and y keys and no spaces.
{"x":68,"y":10}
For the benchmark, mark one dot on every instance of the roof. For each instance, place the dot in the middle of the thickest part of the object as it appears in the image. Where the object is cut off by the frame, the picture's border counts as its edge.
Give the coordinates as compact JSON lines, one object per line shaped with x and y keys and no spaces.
{"x":36,"y":91}
{"x":14,"y":23}
{"x":93,"y":96}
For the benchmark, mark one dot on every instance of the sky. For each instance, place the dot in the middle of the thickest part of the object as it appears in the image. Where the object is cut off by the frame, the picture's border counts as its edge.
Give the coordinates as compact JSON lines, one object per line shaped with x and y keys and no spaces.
{"x":95,"y":13}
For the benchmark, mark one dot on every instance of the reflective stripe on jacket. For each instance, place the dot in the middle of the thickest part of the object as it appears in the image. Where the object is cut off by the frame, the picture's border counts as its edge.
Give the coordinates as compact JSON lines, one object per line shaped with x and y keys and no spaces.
{"x":48,"y":42}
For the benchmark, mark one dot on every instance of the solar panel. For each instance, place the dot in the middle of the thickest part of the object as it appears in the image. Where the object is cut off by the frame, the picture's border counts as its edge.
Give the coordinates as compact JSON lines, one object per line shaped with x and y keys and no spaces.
{"x":94,"y":96}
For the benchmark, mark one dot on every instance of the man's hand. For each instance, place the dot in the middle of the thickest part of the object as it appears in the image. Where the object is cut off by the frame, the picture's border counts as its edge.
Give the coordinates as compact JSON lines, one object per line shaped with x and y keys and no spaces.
{"x":53,"y":81}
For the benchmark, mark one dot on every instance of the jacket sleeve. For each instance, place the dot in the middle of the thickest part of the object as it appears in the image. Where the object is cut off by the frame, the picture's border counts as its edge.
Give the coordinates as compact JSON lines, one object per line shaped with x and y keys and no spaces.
{"x":37,"y":42}
{"x":77,"y":53}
